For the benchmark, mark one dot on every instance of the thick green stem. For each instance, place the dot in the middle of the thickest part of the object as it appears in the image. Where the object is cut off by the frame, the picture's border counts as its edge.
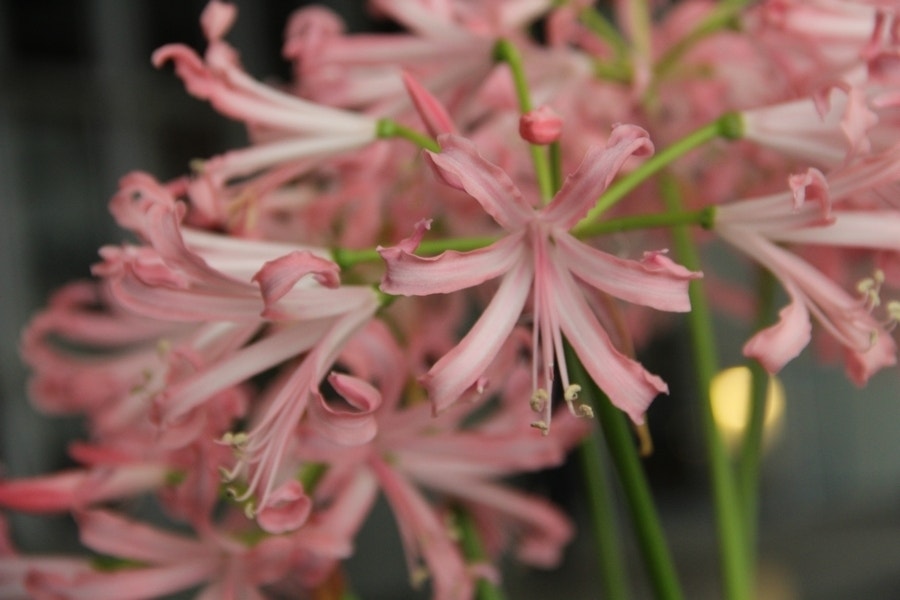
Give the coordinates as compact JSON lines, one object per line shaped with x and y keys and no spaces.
{"x":624,"y":454}
{"x":474,"y":552}
{"x":727,"y":126}
{"x":506,"y":52}
{"x":737,"y":580}
{"x":752,"y":445}
{"x":603,"y":519}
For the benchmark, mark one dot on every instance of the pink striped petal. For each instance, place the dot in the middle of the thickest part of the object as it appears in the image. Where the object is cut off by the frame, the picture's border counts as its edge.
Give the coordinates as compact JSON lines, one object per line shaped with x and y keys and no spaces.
{"x":629,"y":386}
{"x":597,"y":170}
{"x":109,"y":533}
{"x":277,"y":277}
{"x":460,"y":368}
{"x":461,"y":166}
{"x":411,"y":275}
{"x":351,"y":425}
{"x":287,"y":508}
{"x":430,"y":109}
{"x":655,"y":281}
{"x":777,"y":345}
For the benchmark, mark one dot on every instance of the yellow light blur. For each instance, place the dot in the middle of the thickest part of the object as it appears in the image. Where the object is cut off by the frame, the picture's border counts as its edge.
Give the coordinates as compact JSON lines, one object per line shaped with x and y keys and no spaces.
{"x":730,"y":396}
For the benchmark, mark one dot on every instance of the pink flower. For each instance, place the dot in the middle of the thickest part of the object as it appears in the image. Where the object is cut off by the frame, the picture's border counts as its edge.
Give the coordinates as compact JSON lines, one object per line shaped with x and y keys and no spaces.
{"x":216,"y":560}
{"x":418,"y":459}
{"x":539,"y":258}
{"x":809,"y":215}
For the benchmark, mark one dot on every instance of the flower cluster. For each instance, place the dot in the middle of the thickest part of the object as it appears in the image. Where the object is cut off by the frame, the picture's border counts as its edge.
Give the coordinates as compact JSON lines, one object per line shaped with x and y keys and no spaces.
{"x":402,"y":284}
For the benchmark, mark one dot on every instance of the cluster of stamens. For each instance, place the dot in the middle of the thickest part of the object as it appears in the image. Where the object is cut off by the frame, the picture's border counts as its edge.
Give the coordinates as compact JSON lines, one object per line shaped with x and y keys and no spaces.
{"x":870,"y":289}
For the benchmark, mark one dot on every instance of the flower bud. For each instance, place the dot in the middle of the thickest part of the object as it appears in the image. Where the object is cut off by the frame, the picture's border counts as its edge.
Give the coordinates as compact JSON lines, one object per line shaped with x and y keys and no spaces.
{"x":540,"y":126}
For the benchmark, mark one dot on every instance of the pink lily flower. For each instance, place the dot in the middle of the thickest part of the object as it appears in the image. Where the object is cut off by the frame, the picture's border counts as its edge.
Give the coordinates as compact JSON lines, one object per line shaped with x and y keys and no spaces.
{"x":224,"y":566}
{"x":415,"y":456}
{"x":541,"y":259}
{"x":809,"y":215}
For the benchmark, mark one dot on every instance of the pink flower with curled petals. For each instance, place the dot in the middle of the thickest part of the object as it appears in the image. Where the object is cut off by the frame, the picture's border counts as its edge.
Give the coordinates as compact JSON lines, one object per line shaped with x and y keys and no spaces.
{"x":541,"y":259}
{"x":819,"y":210}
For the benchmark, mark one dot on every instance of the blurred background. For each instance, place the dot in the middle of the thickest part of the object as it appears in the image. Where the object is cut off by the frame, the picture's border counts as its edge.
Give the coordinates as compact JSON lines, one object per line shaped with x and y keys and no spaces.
{"x":81,"y":105}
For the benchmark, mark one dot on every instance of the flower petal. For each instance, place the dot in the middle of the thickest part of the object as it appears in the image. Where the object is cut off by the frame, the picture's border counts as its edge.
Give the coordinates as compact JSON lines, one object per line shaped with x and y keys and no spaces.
{"x":411,"y":275}
{"x":598,"y":168}
{"x":460,"y":368}
{"x":461,"y":166}
{"x":655,"y":281}
{"x":629,"y":386}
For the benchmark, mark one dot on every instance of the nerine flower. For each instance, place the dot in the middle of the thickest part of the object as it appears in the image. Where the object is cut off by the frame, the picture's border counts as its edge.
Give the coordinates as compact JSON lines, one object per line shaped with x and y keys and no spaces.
{"x":807,"y":215}
{"x":540,"y":258}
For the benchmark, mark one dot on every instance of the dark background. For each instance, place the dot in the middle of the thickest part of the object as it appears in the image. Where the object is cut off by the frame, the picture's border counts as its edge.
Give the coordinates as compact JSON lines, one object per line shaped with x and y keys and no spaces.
{"x":81,"y":105}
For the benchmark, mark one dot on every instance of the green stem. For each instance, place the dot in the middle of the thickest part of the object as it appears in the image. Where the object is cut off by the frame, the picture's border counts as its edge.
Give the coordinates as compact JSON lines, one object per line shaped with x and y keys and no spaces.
{"x":388,"y":128}
{"x":603,"y":518}
{"x":703,"y":217}
{"x":751,"y":448}
{"x":727,"y":126}
{"x":506,"y":51}
{"x":474,"y":552}
{"x":724,"y":15}
{"x":737,"y":581}
{"x":594,"y":20}
{"x":644,"y":518}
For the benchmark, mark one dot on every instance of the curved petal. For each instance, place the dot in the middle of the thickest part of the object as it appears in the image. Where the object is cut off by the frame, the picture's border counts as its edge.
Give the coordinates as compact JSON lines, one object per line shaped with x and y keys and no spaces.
{"x":411,"y":275}
{"x":351,"y":425}
{"x":598,"y":168}
{"x":460,"y":368}
{"x":655,"y":281}
{"x":777,"y":345}
{"x":629,"y":386}
{"x":461,"y":166}
{"x":287,"y":508}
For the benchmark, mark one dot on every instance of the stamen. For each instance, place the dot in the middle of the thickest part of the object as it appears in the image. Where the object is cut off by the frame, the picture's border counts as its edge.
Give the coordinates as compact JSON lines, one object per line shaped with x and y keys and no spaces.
{"x":539,"y":400}
{"x":250,"y":510}
{"x":893,"y":311}
{"x":542,"y":425}
{"x":870,"y":289}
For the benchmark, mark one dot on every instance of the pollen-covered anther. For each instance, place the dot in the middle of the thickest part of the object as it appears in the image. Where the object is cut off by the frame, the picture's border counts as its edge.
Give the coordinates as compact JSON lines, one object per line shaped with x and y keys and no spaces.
{"x":418,"y":577}
{"x":870,"y":289}
{"x":237,"y":441}
{"x":893,"y":313}
{"x":250,"y":510}
{"x":539,"y":400}
{"x":584,"y":411}
{"x":542,"y":425}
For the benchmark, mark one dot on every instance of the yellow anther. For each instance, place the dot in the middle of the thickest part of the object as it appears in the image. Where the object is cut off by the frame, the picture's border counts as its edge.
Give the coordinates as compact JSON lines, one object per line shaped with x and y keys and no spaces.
{"x":571,"y":392}
{"x":585,"y":411}
{"x":542,"y":425}
{"x":539,"y":400}
{"x":250,"y":510}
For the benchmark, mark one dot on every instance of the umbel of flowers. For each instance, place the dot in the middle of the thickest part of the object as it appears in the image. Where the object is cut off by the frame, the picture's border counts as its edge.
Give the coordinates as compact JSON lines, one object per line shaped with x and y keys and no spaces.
{"x":404,"y":285}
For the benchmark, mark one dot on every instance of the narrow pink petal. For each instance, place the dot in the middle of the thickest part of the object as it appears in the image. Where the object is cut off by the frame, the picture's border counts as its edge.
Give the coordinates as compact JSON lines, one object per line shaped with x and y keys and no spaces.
{"x":543,"y":530}
{"x":460,"y":368}
{"x":629,"y":386}
{"x":353,"y":425}
{"x":217,"y":19}
{"x":656,"y":281}
{"x":410,"y":275}
{"x":461,"y":166}
{"x":109,"y":533}
{"x":126,"y":584}
{"x":286,"y":509}
{"x":69,"y":490}
{"x":777,"y":345}
{"x":424,"y":534}
{"x":277,"y":277}
{"x":581,"y":189}
{"x":433,"y":114}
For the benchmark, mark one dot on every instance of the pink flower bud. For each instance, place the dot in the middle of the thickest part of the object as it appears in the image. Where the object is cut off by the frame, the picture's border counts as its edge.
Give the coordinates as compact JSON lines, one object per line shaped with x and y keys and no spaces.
{"x":540,"y":126}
